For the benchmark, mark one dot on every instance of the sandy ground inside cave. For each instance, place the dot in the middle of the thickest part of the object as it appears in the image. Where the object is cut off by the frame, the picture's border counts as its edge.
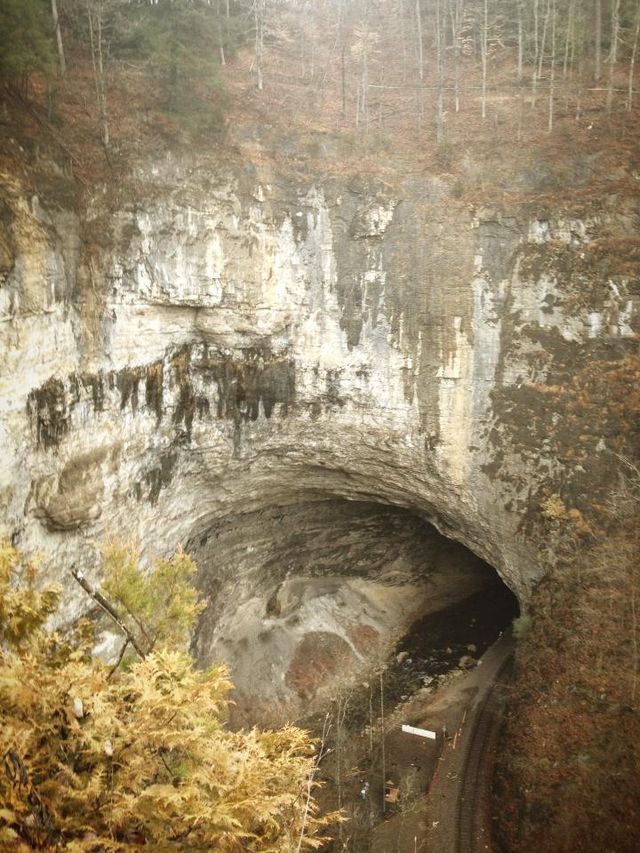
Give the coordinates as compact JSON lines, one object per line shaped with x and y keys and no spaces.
{"x":328,"y":633}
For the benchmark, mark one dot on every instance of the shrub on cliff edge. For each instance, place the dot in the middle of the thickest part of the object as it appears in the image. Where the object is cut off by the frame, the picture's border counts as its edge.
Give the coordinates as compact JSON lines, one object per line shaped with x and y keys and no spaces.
{"x":97,"y":758}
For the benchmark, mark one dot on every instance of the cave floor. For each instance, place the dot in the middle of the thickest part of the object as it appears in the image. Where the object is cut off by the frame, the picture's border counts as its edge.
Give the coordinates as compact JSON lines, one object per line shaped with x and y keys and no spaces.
{"x":433,"y":681}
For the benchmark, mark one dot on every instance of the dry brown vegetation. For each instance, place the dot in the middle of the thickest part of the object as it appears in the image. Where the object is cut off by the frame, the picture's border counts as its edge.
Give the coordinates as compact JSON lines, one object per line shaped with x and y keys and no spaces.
{"x":309,"y":116}
{"x":96,"y":757}
{"x":568,"y":777}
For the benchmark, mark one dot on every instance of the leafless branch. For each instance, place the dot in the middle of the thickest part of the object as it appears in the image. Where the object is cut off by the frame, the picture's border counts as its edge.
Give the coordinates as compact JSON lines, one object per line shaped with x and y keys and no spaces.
{"x":102,"y":602}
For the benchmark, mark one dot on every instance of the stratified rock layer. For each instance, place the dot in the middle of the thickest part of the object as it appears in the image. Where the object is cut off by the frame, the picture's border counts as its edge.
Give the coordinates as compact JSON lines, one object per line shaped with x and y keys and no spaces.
{"x":228,"y":342}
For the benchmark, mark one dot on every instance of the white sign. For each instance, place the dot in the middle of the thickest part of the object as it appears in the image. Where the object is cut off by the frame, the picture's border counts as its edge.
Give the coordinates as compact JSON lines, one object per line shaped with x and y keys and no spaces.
{"x":412,"y":730}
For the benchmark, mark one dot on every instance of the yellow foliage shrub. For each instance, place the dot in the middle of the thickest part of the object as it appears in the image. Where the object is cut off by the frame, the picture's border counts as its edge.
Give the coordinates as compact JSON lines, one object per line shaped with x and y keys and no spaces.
{"x":93,"y":759}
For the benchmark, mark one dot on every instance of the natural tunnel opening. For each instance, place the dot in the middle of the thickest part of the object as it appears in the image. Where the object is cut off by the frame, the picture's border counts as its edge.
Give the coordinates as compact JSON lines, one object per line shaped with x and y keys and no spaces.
{"x":306,"y":600}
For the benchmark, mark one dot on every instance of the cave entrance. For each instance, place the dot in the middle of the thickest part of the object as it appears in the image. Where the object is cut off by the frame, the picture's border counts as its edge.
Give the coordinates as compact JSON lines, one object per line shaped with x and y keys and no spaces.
{"x":306,"y":600}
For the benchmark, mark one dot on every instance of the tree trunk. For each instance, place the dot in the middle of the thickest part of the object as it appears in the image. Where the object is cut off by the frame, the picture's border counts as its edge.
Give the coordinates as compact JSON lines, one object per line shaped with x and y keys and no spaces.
{"x":569,"y":37}
{"x":632,"y":61}
{"x":440,"y":70}
{"x":598,"y":41}
{"x":221,"y":37}
{"x":364,"y":79}
{"x":419,"y":36}
{"x":615,"y":33}
{"x":455,"y":12}
{"x":536,"y":51}
{"x":94,"y":16}
{"x":484,"y":53}
{"x":520,"y":42}
{"x":258,"y":17}
{"x":56,"y":26}
{"x":343,"y":81}
{"x":543,"y":43}
{"x":552,"y":75}
{"x":111,"y":612}
{"x":403,"y":39}
{"x":103,"y":86}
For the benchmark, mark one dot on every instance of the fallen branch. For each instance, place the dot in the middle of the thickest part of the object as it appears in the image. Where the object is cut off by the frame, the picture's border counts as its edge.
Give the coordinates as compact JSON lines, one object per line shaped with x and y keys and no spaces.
{"x":124,"y":648}
{"x":102,"y":602}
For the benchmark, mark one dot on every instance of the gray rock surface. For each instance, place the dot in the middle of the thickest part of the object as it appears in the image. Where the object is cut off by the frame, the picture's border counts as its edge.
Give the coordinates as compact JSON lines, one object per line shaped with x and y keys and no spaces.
{"x":228,"y":341}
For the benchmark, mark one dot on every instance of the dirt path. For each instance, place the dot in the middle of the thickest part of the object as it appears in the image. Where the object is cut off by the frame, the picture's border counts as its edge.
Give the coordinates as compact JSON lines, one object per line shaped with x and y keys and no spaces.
{"x":458,"y":803}
{"x":453,"y":816}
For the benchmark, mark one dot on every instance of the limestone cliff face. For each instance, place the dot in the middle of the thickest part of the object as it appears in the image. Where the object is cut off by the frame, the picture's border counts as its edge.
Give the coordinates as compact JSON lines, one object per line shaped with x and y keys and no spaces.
{"x":228,"y":340}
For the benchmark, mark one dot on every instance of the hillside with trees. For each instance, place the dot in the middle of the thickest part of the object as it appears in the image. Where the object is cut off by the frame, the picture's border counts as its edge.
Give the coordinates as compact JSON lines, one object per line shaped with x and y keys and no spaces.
{"x":119,"y":76}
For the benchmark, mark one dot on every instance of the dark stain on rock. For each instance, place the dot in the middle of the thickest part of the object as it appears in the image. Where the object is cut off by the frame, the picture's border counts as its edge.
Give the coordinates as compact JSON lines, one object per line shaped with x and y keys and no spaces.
{"x":332,"y":392}
{"x":49,"y":413}
{"x":161,"y":475}
{"x":202,"y":407}
{"x":352,"y":320}
{"x":128,"y":383}
{"x":260,"y":379}
{"x":94,"y":383}
{"x":7,"y":248}
{"x":181,"y":376}
{"x":153,"y":391}
{"x":242,"y":389}
{"x":497,"y":237}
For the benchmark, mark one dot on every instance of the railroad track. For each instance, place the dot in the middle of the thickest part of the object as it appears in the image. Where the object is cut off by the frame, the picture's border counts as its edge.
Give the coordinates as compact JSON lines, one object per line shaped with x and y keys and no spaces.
{"x":472,"y":832}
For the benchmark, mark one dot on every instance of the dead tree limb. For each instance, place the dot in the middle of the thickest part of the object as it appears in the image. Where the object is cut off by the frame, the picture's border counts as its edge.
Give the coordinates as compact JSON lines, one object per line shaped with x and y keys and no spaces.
{"x":102,"y":602}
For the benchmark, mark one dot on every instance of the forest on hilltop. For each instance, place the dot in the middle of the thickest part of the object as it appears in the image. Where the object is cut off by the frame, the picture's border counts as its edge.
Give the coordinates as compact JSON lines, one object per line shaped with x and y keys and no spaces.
{"x":116,"y":71}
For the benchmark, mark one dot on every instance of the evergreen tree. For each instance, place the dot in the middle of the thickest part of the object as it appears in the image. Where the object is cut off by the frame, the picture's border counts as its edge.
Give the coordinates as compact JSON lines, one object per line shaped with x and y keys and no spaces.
{"x":183,"y":41}
{"x":26,"y":40}
{"x":94,"y":758}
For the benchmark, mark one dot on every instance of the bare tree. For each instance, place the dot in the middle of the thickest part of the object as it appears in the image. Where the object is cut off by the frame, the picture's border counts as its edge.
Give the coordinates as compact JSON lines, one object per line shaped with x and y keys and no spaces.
{"x":95,"y":17}
{"x":419,"y":38}
{"x":60,"y":46}
{"x":403,"y":37}
{"x":598,"y":41}
{"x":632,"y":60}
{"x":615,"y":31}
{"x":613,"y":53}
{"x":484,"y":52}
{"x":456,"y":8}
{"x":440,"y":49}
{"x":569,"y":37}
{"x":363,"y":47}
{"x":552,"y":73}
{"x":536,"y":43}
{"x":223,"y":60}
{"x":343,"y":55}
{"x":543,"y":42}
{"x":259,"y":13}
{"x":520,"y":39}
